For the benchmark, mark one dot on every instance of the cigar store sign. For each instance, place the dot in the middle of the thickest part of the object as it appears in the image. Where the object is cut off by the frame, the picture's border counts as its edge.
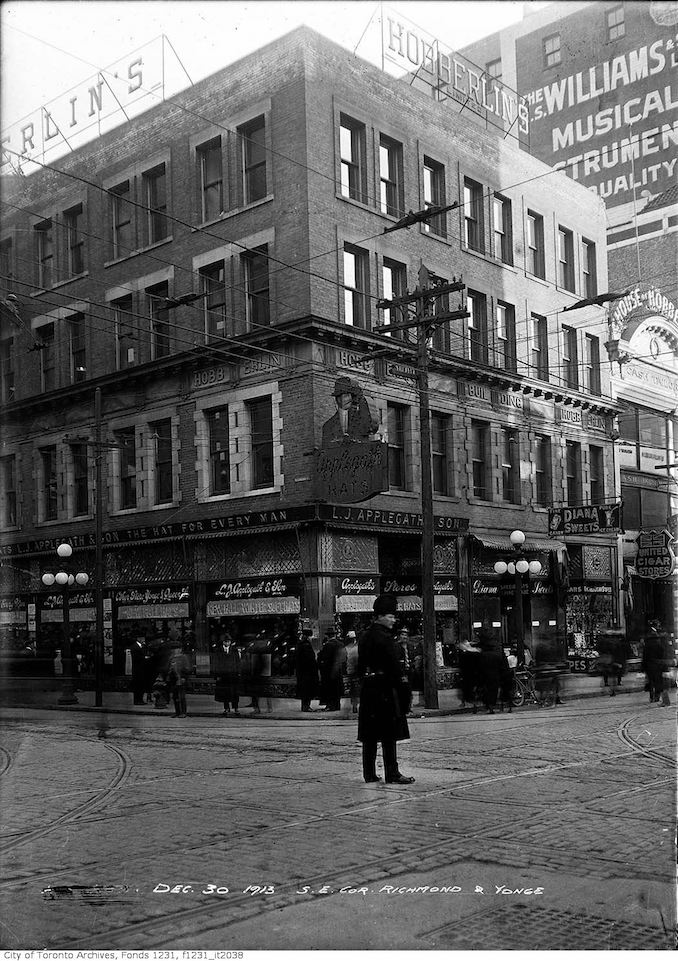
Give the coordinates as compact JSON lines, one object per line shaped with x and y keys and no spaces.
{"x":452,"y":75}
{"x":108,"y":98}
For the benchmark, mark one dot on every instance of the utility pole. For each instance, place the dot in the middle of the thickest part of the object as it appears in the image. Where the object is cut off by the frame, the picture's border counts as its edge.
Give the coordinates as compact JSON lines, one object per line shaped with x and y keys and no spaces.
{"x":99,"y":557}
{"x":419,"y":311}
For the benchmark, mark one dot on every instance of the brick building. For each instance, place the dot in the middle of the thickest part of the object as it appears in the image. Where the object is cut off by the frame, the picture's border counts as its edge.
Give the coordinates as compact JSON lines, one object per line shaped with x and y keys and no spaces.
{"x":600,"y":82}
{"x":213,"y":267}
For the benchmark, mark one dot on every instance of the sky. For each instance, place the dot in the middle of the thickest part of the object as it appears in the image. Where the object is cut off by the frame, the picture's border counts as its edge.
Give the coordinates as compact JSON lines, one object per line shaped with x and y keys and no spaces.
{"x":50,"y":46}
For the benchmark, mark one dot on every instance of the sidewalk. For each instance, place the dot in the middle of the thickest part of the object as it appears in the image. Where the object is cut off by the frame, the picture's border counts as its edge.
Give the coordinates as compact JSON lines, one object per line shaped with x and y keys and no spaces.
{"x":573,"y":687}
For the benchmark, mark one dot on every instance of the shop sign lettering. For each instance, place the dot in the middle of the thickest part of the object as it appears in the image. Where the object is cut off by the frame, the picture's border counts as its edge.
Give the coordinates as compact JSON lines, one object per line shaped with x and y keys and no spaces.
{"x":162,"y":595}
{"x":460,"y":78}
{"x":81,"y":599}
{"x":587,"y":519}
{"x":655,"y":558}
{"x":507,"y":399}
{"x":211,"y":377}
{"x":349,"y":473}
{"x":349,"y":586}
{"x":481,"y":587}
{"x":346,"y":358}
{"x":13,"y":603}
{"x":257,"y":605}
{"x":266,"y":588}
{"x":401,"y":520}
{"x":651,"y":297}
{"x":568,"y":416}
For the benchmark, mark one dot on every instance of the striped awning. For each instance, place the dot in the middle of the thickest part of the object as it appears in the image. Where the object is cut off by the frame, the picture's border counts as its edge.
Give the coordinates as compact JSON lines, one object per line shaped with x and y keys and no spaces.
{"x":531,"y":543}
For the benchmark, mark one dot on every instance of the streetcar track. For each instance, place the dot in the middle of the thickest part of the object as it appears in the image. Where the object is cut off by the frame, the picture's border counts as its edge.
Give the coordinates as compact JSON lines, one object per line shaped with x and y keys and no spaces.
{"x":5,"y":761}
{"x":120,"y":777}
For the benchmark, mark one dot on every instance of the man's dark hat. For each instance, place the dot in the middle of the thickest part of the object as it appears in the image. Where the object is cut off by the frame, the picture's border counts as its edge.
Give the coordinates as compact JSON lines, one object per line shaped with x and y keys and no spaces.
{"x":342,"y":385}
{"x":385,"y":604}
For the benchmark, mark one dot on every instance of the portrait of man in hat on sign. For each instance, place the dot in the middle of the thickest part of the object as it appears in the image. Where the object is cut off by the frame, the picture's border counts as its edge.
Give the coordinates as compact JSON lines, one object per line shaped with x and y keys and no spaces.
{"x":353,"y":421}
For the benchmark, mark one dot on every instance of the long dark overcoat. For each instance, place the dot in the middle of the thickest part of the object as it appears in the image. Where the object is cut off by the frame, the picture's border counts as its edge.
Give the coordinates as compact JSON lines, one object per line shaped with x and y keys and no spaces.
{"x":307,"y":671}
{"x":381,"y":716}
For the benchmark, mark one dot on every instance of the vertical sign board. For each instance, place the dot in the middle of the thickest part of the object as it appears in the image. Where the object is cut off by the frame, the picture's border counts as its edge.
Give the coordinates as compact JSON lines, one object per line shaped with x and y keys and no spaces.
{"x":655,"y":558}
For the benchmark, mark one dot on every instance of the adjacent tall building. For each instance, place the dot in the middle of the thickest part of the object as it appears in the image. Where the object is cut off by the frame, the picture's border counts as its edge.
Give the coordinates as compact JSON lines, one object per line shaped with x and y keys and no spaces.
{"x":214,"y":269}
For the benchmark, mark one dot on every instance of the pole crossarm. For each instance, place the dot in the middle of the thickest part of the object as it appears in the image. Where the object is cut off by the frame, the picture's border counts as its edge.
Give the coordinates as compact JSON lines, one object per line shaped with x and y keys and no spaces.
{"x":419,"y":217}
{"x":425,"y":321}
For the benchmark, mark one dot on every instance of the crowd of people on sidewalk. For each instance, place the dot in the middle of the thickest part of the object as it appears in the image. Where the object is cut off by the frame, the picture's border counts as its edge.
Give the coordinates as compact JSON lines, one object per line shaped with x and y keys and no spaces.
{"x":161,"y":671}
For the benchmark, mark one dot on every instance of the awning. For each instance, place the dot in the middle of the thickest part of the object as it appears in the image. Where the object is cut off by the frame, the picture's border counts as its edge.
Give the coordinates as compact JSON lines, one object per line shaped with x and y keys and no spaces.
{"x":531,"y":543}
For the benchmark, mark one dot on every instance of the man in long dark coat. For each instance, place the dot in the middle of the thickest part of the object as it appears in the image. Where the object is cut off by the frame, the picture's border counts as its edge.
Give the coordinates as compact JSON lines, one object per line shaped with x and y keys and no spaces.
{"x":381,"y":716}
{"x":306,"y":671}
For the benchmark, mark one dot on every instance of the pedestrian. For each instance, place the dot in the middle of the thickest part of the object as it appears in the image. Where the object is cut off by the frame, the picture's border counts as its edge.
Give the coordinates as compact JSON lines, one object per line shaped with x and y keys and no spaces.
{"x":610,"y":659}
{"x":258,"y":653}
{"x":469,"y":671}
{"x":226,"y":665}
{"x":657,"y":662}
{"x":332,"y":665}
{"x":352,"y":669}
{"x":507,"y":679}
{"x":306,"y":670}
{"x":490,"y":669}
{"x":178,"y":673}
{"x":403,"y":640}
{"x":139,"y":670}
{"x":380,"y":715}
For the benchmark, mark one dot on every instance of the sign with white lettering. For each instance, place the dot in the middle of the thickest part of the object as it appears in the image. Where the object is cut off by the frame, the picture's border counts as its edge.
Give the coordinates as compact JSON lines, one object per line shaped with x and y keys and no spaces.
{"x":390,"y":520}
{"x":610,"y":125}
{"x":453,"y":77}
{"x":655,"y":558}
{"x":587,"y":519}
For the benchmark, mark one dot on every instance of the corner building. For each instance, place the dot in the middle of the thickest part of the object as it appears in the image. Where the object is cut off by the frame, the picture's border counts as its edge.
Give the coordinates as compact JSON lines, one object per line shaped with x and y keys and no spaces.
{"x":213,"y":267}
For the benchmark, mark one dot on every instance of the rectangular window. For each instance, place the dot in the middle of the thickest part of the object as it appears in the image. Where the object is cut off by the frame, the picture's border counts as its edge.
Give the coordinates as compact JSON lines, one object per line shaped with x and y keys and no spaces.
{"x":434,"y":196}
{"x":573,"y":473}
{"x":126,"y":343}
{"x":552,"y":55}
{"x":503,"y":229}
{"x":161,"y":435}
{"x":7,"y":386}
{"x":628,"y":425}
{"x":565,"y":258}
{"x":570,"y":357}
{"x":49,"y":484}
{"x":390,"y":176}
{"x":121,"y":217}
{"x":253,"y":138}
{"x":213,"y":285}
{"x":440,"y":305}
{"x":159,"y":321}
{"x":510,"y":465}
{"x":394,"y":279}
{"x":127,"y":453}
{"x":588,"y":266}
{"x":75,"y":245}
{"x":155,"y":199}
{"x":474,"y":231}
{"x":542,"y":467}
{"x":397,"y":474}
{"x":616,"y":26}
{"x":493,"y":69}
{"x":538,"y":346}
{"x":535,"y":245}
{"x":77,"y":348}
{"x":261,"y":428}
{"x":356,"y":311}
{"x":44,"y":237}
{"x":506,"y":336}
{"x":476,"y":305}
{"x":45,"y":336}
{"x":592,"y":363}
{"x":255,"y":263}
{"x":439,"y":447}
{"x":596,"y":475}
{"x":210,"y":172}
{"x":651,"y":429}
{"x":219,"y":440}
{"x":8,"y":474}
{"x":480,"y":435}
{"x":6,"y":266}
{"x":352,"y":154}
{"x":80,"y":490}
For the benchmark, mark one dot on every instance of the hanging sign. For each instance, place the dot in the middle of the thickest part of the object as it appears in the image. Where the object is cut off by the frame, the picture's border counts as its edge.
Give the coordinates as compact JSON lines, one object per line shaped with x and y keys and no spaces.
{"x":587,"y":519}
{"x":655,"y":558}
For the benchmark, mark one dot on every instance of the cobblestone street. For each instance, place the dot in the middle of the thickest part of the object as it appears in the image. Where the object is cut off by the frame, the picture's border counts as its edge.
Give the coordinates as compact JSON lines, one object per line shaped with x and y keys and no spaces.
{"x":541,"y":829}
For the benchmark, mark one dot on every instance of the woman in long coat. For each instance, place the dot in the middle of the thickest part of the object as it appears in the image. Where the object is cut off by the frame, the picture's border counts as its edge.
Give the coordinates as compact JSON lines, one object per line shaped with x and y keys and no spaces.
{"x":307,"y":672}
{"x":381,"y":717}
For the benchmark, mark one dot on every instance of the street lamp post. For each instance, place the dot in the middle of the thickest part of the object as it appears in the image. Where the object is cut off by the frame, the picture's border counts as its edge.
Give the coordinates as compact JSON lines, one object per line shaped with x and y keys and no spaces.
{"x":518,"y":566}
{"x":64,"y":579}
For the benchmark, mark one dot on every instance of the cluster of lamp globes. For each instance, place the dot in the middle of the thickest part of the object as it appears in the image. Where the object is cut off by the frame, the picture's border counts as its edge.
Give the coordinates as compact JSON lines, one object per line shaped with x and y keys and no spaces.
{"x":62,"y":578}
{"x":521,"y":565}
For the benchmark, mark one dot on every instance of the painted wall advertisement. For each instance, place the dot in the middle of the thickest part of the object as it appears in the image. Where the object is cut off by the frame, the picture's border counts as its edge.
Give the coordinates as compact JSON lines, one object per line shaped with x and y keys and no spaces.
{"x":611,"y":124}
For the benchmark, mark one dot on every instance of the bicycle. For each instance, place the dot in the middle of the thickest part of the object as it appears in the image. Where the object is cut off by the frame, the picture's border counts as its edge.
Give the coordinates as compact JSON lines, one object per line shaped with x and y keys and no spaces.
{"x":536,"y":689}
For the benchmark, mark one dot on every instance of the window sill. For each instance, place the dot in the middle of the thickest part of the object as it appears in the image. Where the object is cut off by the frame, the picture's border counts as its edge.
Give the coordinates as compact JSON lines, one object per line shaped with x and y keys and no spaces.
{"x":227,"y":214}
{"x":537,"y":279}
{"x":70,"y":280}
{"x":50,"y":523}
{"x":488,"y":258}
{"x":443,"y":238}
{"x":362,"y":206}
{"x":138,"y":251}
